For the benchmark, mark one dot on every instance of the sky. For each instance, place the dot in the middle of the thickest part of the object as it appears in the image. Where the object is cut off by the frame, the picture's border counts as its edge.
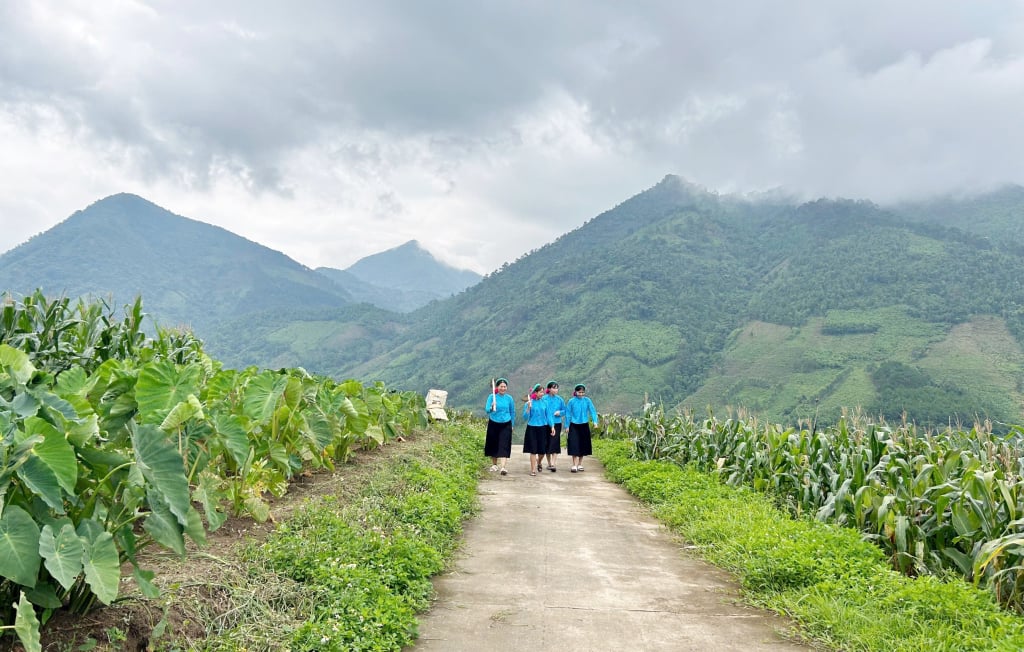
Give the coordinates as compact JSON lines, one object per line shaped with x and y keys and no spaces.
{"x":331,"y":130}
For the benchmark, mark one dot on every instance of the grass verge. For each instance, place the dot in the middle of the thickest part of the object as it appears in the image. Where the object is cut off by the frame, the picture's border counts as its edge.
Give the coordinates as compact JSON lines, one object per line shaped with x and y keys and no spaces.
{"x":837,"y":587}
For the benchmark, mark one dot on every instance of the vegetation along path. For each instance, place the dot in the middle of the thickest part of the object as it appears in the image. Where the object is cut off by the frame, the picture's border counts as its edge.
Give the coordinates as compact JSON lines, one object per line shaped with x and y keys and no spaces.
{"x":565,"y":561}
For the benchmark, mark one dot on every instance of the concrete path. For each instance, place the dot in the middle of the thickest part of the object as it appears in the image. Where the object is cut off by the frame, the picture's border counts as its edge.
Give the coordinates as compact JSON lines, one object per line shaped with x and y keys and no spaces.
{"x":570,"y":561}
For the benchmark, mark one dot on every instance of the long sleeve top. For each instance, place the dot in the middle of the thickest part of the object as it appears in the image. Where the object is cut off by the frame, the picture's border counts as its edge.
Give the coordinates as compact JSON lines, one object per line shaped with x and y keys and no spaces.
{"x":539,"y":414}
{"x":557,"y":404}
{"x":501,"y":408}
{"x":581,"y":410}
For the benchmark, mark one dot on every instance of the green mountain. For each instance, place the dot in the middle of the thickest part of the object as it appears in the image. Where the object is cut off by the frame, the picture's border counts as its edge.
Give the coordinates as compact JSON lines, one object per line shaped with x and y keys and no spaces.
{"x":790,"y":311}
{"x":664,"y":297}
{"x":401,"y":279}
{"x":187,"y":272}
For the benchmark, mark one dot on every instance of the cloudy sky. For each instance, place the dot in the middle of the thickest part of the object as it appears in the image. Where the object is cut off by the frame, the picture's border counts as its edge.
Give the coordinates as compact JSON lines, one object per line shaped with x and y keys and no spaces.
{"x":331,"y":130}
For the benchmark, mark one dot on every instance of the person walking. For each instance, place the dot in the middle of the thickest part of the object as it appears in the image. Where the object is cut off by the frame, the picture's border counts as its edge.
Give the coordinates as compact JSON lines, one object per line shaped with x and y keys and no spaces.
{"x":540,"y":426}
{"x":581,"y":412}
{"x":556,"y":405}
{"x":501,"y":419}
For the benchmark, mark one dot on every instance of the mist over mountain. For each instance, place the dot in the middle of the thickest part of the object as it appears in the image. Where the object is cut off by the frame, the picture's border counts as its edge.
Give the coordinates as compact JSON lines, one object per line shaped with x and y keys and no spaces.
{"x":789,"y":310}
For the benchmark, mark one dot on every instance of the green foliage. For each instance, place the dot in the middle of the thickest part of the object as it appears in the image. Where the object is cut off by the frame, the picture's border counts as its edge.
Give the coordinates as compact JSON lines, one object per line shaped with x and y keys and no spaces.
{"x":367,"y":564}
{"x":835,"y":585}
{"x":933,"y":503}
{"x":111,"y":438}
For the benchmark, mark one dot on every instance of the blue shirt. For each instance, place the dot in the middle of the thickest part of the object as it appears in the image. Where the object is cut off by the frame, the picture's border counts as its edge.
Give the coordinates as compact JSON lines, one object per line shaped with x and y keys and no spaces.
{"x":581,"y":409}
{"x":540,"y":414}
{"x":505,"y":410}
{"x":557,"y":405}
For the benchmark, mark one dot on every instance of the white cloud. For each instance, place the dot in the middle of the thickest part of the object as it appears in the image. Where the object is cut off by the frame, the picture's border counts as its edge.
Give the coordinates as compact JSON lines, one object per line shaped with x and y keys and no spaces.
{"x":333,"y":130}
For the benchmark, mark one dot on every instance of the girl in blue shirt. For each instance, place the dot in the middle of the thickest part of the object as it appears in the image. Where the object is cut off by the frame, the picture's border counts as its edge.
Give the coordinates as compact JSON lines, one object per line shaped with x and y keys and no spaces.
{"x":540,"y":426}
{"x":581,"y":412}
{"x":556,"y":404}
{"x":501,"y":418}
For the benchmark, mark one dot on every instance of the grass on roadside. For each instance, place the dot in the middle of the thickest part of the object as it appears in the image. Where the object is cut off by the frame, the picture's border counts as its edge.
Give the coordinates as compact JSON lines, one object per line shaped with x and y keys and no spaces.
{"x":836,"y":586}
{"x":350,"y":575}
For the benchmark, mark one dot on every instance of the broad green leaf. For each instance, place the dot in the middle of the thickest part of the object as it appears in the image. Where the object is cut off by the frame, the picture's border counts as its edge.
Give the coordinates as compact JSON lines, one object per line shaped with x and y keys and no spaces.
{"x":261,"y":396}
{"x":16,"y":363}
{"x":62,"y":553}
{"x":102,"y":567}
{"x":25,"y":404}
{"x":232,"y":434}
{"x":55,"y":452}
{"x":59,"y":405}
{"x":257,"y":508}
{"x":144,"y":580}
{"x":194,"y":527}
{"x":43,"y":482}
{"x":351,"y":387}
{"x":163,"y":468}
{"x":19,"y":547}
{"x":320,"y":429}
{"x":44,"y":595}
{"x":83,"y":432}
{"x":163,"y":526}
{"x":181,"y":413}
{"x":346,"y":407}
{"x":26,"y":625}
{"x":162,"y":385}
{"x":209,"y":494}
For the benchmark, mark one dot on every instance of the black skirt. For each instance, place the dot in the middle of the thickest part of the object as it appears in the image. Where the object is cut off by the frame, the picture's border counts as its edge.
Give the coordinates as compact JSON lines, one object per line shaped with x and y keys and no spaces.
{"x":535,"y":440}
{"x":579,"y":440}
{"x":555,"y":443}
{"x":498,"y":441}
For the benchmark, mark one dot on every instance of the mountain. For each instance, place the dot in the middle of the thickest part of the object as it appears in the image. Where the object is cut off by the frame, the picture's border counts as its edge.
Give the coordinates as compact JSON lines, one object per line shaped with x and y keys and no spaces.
{"x":691,"y":298}
{"x":401,"y":279}
{"x":187,"y":272}
{"x":997,"y":215}
{"x":704,"y":301}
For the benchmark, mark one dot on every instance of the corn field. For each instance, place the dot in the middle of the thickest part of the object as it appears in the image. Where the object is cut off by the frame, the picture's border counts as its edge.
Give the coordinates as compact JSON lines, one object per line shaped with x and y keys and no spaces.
{"x":935,"y":502}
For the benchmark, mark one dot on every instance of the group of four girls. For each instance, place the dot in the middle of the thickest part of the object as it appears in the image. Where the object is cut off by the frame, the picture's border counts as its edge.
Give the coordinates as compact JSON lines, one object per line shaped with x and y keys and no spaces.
{"x":545,"y":413}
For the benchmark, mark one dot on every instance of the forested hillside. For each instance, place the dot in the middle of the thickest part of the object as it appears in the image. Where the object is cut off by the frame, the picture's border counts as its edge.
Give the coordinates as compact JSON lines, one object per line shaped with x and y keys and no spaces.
{"x":187,"y":272}
{"x":791,"y":311}
{"x":651,"y":298}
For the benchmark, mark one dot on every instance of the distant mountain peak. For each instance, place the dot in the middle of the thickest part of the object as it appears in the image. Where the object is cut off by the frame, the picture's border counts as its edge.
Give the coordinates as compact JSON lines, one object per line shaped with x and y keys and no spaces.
{"x":410,"y":267}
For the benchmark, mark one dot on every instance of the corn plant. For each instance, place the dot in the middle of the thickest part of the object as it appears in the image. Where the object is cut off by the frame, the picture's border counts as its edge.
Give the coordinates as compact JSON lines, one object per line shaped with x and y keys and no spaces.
{"x":934,"y":502}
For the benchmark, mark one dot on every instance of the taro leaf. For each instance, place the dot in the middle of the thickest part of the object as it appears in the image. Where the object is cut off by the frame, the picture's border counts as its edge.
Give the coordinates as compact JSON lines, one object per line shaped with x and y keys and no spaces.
{"x":45,"y":596}
{"x":43,"y":482}
{"x":144,"y":580}
{"x":55,"y":452}
{"x":257,"y":508}
{"x":83,"y":432}
{"x":19,"y":547}
{"x":194,"y":527}
{"x":358,"y":422}
{"x":162,"y":525}
{"x":346,"y":407}
{"x":231,"y":431}
{"x":182,"y":412}
{"x":25,"y":404}
{"x":62,"y":553}
{"x":102,"y":567}
{"x":209,"y":493}
{"x":56,"y":403}
{"x":162,"y":385}
{"x":261,"y":396}
{"x":163,"y":468}
{"x":16,"y":363}
{"x":26,"y":625}
{"x":319,"y":429}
